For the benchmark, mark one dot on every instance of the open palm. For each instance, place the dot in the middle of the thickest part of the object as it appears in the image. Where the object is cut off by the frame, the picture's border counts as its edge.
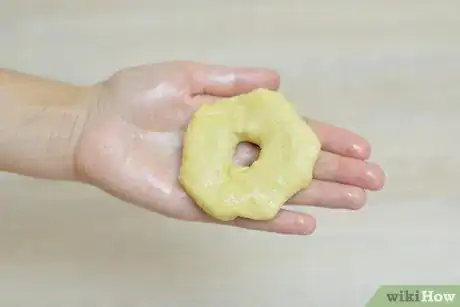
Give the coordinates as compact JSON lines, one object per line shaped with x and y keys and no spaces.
{"x":132,"y":143}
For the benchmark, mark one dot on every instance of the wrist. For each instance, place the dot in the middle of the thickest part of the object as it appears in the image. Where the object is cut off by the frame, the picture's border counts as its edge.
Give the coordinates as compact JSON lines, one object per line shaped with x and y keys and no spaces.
{"x":40,"y":125}
{"x":82,"y":112}
{"x":89,"y":110}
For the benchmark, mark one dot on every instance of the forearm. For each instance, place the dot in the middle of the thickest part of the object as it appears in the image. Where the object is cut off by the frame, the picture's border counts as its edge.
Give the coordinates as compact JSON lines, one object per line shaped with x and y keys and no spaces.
{"x":40,"y":123}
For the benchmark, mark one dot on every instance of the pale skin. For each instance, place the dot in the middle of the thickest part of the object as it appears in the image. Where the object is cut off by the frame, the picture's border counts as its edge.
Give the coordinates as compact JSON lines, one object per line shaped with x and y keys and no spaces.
{"x":124,"y":136}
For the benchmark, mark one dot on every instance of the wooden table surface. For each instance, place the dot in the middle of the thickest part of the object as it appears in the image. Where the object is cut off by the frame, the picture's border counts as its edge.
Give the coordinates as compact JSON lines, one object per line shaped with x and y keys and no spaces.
{"x":388,"y":69}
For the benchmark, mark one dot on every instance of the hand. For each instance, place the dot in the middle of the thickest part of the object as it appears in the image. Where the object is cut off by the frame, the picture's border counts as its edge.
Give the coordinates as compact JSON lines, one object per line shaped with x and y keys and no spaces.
{"x":132,"y":140}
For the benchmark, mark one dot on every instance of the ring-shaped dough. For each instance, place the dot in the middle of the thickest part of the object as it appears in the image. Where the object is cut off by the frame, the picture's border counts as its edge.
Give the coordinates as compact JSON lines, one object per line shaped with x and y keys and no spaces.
{"x":289,"y":150}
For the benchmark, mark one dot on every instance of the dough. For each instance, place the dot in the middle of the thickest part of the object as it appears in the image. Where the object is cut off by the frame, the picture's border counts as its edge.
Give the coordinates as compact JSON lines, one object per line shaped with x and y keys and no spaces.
{"x":289,"y":150}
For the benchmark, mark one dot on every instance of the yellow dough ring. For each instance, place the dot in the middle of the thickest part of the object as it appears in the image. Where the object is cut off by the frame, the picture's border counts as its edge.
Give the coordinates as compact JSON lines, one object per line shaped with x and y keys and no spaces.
{"x":289,"y":150}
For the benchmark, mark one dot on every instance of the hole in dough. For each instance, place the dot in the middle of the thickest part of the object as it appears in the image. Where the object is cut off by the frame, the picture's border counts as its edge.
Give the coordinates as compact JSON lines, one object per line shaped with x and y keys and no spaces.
{"x":245,"y":154}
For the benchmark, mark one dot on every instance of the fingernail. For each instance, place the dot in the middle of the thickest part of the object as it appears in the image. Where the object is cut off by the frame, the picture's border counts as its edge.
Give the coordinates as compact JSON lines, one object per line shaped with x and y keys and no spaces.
{"x":375,"y":175}
{"x":362,"y":151}
{"x":356,"y":198}
{"x":305,"y":227}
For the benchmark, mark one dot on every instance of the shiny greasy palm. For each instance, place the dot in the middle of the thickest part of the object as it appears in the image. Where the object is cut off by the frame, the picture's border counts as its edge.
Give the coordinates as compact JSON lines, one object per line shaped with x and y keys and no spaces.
{"x":132,"y":142}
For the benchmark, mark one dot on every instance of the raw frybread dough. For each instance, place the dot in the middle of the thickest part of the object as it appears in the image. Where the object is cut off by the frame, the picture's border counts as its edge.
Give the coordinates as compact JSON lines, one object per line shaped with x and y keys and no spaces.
{"x":289,"y":150}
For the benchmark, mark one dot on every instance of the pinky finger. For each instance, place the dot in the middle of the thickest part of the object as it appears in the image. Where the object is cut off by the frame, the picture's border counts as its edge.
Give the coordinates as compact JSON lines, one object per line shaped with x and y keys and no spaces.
{"x":285,"y":222}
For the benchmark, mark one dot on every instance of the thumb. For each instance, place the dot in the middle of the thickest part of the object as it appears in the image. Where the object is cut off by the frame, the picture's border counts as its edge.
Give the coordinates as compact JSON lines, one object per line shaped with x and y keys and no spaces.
{"x":224,"y":81}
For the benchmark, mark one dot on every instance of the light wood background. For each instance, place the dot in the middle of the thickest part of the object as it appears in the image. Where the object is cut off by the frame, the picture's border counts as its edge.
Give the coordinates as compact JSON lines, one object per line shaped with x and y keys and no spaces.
{"x":388,"y":69}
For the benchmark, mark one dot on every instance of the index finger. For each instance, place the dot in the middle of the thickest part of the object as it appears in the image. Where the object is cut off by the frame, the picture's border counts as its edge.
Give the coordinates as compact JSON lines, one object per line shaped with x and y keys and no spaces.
{"x":340,"y":141}
{"x":223,"y":81}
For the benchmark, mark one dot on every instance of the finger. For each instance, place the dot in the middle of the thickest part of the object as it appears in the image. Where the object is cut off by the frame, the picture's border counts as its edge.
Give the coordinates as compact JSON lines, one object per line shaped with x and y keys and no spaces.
{"x":224,"y":81}
{"x":332,"y":167}
{"x":340,"y":141}
{"x":285,"y":222}
{"x":330,"y":195}
{"x":245,"y":154}
{"x":333,"y":139}
{"x":329,"y":167}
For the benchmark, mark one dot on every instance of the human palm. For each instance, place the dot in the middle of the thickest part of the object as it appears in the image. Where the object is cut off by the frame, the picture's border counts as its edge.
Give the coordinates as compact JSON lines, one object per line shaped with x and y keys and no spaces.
{"x":132,"y":142}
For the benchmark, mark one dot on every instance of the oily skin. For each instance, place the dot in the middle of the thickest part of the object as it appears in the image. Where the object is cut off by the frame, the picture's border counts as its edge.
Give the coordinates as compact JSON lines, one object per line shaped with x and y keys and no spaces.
{"x":124,"y":136}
